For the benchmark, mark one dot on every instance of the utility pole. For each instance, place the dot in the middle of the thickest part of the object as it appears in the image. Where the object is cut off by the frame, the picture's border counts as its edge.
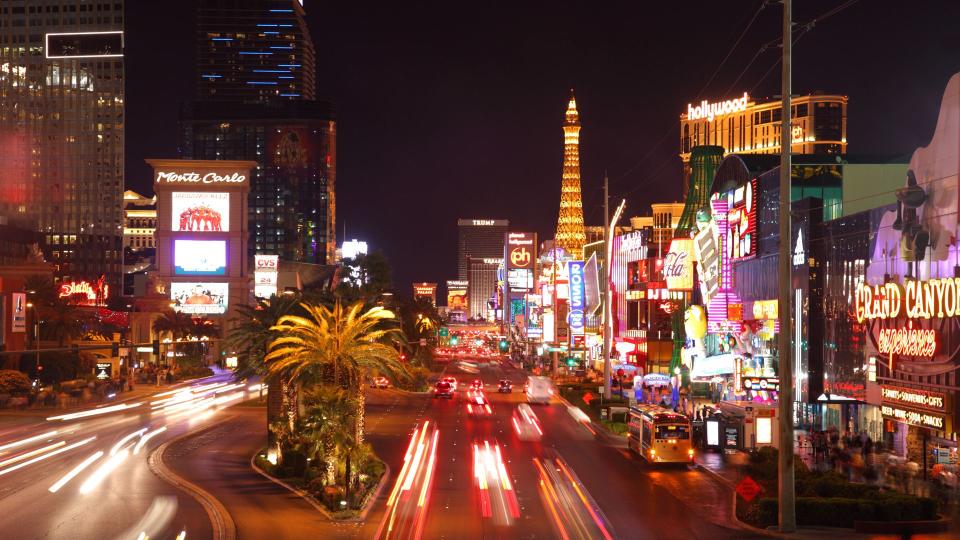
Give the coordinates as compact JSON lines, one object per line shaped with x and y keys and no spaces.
{"x":787,"y":510}
{"x":607,"y":393}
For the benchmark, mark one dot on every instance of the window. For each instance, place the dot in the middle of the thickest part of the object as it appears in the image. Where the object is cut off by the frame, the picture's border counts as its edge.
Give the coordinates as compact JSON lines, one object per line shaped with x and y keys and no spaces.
{"x":673,"y":432}
{"x":764,"y":117}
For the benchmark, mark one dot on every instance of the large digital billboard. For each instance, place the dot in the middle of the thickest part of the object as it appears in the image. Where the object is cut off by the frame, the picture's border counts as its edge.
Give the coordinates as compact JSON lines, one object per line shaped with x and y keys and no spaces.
{"x":200,"y":257}
{"x":198,"y":211}
{"x":742,"y":222}
{"x":520,"y":279}
{"x":199,"y":298}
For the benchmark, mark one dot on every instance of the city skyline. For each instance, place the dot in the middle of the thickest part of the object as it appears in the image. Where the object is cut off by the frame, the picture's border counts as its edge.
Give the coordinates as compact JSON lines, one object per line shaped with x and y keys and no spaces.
{"x":508,"y":111}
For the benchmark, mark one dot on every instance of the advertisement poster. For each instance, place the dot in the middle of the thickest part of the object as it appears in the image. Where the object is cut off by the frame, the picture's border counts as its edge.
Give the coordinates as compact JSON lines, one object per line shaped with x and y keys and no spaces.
{"x":678,"y":265}
{"x":199,"y":298}
{"x":289,"y":146}
{"x":577,"y":297}
{"x":19,"y":312}
{"x":200,"y":212}
{"x":200,"y":257}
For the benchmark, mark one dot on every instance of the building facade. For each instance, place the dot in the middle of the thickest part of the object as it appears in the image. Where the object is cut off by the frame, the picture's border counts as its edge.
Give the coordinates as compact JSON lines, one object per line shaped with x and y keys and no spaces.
{"x":747,"y":126}
{"x":139,"y":237}
{"x":62,"y":131}
{"x":479,"y":239}
{"x":254,"y":51}
{"x":293,"y":189}
{"x":482,"y":287}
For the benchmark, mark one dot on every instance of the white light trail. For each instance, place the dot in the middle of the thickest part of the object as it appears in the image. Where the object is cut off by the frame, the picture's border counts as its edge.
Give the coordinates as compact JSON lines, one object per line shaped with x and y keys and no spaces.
{"x":76,"y":470}
{"x":31,"y":453}
{"x":45,"y":456}
{"x":22,"y":442}
{"x":104,"y":470}
{"x":116,"y":448}
{"x":95,"y":412}
{"x":147,"y":437}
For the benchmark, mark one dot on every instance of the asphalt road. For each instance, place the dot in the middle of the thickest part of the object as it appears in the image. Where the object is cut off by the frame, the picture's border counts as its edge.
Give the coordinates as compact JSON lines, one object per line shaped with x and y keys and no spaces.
{"x":37,"y":454}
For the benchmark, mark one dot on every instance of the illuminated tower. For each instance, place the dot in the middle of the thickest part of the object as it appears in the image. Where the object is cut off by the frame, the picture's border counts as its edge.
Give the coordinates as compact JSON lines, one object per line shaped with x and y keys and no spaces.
{"x":570,"y":232}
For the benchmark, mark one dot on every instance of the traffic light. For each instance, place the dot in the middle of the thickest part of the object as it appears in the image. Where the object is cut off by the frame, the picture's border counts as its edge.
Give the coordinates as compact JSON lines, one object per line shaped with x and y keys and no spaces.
{"x":114,"y":350}
{"x":156,"y":347}
{"x":403,"y":357}
{"x":571,"y":362}
{"x":454,"y":341}
{"x":504,"y":345}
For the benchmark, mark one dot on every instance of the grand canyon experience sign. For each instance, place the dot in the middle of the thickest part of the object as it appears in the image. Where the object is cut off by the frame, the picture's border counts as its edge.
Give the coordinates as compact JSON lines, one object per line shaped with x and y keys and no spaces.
{"x":927,"y":299}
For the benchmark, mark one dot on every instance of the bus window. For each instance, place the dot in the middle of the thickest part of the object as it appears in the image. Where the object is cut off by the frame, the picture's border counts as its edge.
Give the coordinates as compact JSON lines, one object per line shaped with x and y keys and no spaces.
{"x":646,"y":435}
{"x":672,"y":432}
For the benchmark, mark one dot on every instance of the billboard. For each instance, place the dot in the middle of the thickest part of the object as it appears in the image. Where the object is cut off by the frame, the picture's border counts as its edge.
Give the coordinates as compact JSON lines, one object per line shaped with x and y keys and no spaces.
{"x":520,"y":249}
{"x":265,"y":275}
{"x":18,"y":312}
{"x":199,"y":211}
{"x":457,"y":295}
{"x":678,"y":265}
{"x":200,"y":257}
{"x":591,"y":283}
{"x":199,"y":298}
{"x":577,"y":297}
{"x":742,"y":222}
{"x":520,"y":279}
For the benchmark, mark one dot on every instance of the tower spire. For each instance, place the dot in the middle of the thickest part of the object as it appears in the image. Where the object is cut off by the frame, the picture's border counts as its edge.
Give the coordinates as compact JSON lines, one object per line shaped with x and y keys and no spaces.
{"x":570,"y":231}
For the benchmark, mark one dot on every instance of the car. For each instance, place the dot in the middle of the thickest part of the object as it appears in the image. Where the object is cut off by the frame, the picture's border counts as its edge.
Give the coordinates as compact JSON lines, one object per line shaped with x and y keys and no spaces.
{"x":379,"y":382}
{"x":478,"y":404}
{"x":539,"y":389}
{"x":477,"y":384}
{"x":452,"y":381}
{"x":505,"y":386}
{"x":526,"y":424}
{"x":443,"y":389}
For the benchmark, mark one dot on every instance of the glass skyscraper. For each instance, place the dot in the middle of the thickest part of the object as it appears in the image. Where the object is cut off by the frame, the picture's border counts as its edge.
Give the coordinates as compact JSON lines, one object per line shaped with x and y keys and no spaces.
{"x":256,"y":100}
{"x":61,"y":131}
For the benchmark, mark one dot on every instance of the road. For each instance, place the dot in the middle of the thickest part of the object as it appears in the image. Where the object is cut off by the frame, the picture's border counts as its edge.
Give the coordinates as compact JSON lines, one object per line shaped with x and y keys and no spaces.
{"x":113,"y":493}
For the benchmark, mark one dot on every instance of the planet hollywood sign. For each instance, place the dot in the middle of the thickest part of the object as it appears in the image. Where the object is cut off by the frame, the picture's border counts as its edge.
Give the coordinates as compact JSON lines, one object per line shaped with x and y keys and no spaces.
{"x":197,"y":178}
{"x":711,"y":110}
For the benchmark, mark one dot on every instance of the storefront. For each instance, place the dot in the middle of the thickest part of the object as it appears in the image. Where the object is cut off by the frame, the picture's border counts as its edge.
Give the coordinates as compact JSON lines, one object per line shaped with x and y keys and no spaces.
{"x":917,"y":423}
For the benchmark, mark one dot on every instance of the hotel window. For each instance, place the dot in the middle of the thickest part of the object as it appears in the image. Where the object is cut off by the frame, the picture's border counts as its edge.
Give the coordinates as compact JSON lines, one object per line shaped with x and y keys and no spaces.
{"x":764,"y":117}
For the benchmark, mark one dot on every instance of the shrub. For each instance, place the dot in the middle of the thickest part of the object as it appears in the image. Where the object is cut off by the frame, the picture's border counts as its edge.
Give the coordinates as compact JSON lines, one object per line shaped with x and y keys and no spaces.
{"x":619,"y":428}
{"x":842,"y":512}
{"x":14,"y":382}
{"x":295,"y":461}
{"x":193,"y":372}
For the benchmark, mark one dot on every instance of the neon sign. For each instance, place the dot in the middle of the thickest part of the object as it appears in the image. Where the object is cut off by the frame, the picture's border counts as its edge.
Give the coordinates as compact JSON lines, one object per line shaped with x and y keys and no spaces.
{"x":577,"y":298}
{"x":742,"y":222}
{"x":914,"y":397}
{"x":678,"y":265}
{"x":908,"y":341}
{"x":711,"y":110}
{"x":926,"y":299}
{"x":196,"y":178}
{"x":912,"y":417}
{"x":85,"y":293}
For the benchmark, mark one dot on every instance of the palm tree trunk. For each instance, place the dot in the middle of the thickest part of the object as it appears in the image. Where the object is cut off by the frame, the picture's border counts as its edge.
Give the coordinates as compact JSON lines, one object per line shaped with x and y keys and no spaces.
{"x":346,"y":480}
{"x":361,"y":411}
{"x":274,"y":406}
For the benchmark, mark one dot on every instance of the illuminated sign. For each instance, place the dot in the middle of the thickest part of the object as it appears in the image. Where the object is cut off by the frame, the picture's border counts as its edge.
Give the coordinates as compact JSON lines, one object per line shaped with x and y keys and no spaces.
{"x":19,"y":312}
{"x":757,"y":384}
{"x":766,"y":309}
{"x":520,"y":279}
{"x":266,"y":263}
{"x":907,"y":341}
{"x":678,"y":265}
{"x":424,"y":289}
{"x":483,"y":222}
{"x":577,"y":297}
{"x":712,"y":110}
{"x":913,"y":397}
{"x":912,"y":417}
{"x":202,"y":257}
{"x":520,"y":249}
{"x":799,"y":255}
{"x":742,"y":222}
{"x":488,"y":260}
{"x":85,"y":293}
{"x":520,"y":257}
{"x":108,"y":44}
{"x":104,"y":370}
{"x":633,"y":241}
{"x":197,"y":178}
{"x":932,"y":298}
{"x":199,"y":298}
{"x":200,"y":212}
{"x":708,"y":259}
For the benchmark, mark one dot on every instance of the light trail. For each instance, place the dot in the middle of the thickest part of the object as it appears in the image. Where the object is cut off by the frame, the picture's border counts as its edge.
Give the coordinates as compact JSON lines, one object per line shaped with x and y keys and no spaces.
{"x":46,"y":456}
{"x":108,"y":467}
{"x":116,"y":448}
{"x":76,"y":470}
{"x":95,"y":412}
{"x":28,"y":440}
{"x":31,"y":453}
{"x":146,"y":437}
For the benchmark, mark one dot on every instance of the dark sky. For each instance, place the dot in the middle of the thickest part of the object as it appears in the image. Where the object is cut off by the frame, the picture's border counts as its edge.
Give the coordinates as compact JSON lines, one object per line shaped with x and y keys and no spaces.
{"x":445,"y":112}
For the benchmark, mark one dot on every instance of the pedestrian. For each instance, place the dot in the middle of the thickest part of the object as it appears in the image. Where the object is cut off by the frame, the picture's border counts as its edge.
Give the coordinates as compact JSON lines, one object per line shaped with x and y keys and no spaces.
{"x":169,"y":376}
{"x":159,"y":375}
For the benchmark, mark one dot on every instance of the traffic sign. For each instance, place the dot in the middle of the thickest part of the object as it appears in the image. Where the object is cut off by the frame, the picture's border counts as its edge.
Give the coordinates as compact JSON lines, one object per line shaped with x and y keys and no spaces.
{"x":748,"y":488}
{"x":588,"y":397}
{"x":444,"y":331}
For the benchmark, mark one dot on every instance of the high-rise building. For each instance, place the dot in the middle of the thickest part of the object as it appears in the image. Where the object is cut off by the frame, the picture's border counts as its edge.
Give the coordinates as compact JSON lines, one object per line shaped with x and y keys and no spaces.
{"x":478,"y":239}
{"x":61,"y":131}
{"x":139,"y":238}
{"x":292,"y":193}
{"x":482,"y":286}
{"x":256,"y":101}
{"x":570,"y":232}
{"x":254,"y":51}
{"x":744,"y":126}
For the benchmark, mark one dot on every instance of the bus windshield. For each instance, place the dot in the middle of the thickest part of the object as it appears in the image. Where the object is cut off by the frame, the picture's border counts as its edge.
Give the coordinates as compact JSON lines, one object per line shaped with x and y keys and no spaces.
{"x":673,"y":432}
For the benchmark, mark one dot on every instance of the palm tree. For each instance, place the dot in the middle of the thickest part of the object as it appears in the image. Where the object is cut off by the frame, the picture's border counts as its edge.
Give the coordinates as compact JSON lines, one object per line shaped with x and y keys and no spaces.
{"x":63,"y":321}
{"x":173,"y":323}
{"x":251,"y":334}
{"x":328,"y":428}
{"x":344,"y":344}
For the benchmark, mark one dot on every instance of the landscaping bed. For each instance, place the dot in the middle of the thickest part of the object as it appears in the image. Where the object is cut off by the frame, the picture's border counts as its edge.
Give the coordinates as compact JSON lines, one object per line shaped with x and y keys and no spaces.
{"x":827,"y":499}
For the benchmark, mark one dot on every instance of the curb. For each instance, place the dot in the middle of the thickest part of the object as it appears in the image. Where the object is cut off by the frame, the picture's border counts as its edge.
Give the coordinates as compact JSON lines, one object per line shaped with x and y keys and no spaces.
{"x":361,"y":517}
{"x":222,"y":523}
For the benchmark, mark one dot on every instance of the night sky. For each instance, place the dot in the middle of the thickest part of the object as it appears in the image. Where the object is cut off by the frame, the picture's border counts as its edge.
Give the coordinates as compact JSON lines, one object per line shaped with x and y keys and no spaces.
{"x":446,"y":113}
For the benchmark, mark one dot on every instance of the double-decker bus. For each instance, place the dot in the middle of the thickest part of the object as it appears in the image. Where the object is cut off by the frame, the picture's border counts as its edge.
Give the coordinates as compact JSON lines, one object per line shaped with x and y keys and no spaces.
{"x":660,"y":435}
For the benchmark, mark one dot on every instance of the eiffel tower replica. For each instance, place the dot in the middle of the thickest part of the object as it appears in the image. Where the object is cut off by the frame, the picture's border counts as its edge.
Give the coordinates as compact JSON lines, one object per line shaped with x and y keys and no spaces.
{"x":570,"y":231}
